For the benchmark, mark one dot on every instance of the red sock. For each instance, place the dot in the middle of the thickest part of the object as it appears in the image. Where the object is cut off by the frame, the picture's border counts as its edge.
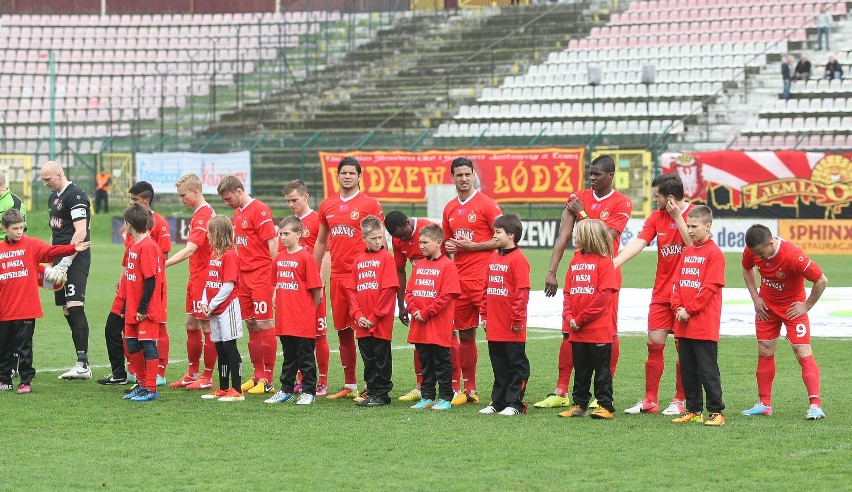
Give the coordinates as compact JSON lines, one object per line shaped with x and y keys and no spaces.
{"x":209,"y":356}
{"x":613,"y":359}
{"x":151,"y":375}
{"x":810,"y":375}
{"x":418,"y":373}
{"x":255,"y":349}
{"x":679,"y":394}
{"x":136,"y":365}
{"x":322,"y":351}
{"x":765,"y":375}
{"x":654,"y":367}
{"x":566,"y":365}
{"x":455,"y":358}
{"x":270,"y":352}
{"x":469,"y":355}
{"x":193,"y":350}
{"x":163,"y":351}
{"x":348,"y":355}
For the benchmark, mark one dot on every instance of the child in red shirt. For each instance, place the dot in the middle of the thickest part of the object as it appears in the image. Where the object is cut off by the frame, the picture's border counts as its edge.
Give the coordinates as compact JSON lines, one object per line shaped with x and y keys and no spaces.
{"x":503,"y":314}
{"x":697,"y":305}
{"x":20,"y":256}
{"x":372,"y":292}
{"x":298,"y":292}
{"x":144,"y":305}
{"x":220,"y":304}
{"x":590,"y":286}
{"x":430,"y":297}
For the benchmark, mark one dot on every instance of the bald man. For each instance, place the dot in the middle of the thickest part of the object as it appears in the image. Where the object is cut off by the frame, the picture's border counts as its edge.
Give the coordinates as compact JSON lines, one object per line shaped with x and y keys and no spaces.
{"x":70,"y":215}
{"x":9,"y":200}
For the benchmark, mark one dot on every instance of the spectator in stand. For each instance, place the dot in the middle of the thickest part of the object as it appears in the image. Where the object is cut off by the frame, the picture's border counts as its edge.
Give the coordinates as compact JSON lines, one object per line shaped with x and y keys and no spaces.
{"x":823,"y":25}
{"x":803,"y":68}
{"x":833,"y":69}
{"x":787,"y":75}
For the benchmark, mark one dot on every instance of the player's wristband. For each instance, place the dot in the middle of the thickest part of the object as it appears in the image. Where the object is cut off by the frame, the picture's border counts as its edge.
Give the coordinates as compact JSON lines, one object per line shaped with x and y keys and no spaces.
{"x":583,"y":214}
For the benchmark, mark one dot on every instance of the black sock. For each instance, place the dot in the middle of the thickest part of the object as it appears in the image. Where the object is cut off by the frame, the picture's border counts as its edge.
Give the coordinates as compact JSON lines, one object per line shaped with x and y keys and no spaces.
{"x":79,"y":332}
{"x":222,"y":362}
{"x":234,"y":361}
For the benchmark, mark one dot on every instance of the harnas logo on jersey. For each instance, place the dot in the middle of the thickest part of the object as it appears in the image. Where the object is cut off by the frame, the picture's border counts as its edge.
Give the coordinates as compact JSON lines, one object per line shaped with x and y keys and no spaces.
{"x":56,"y":222}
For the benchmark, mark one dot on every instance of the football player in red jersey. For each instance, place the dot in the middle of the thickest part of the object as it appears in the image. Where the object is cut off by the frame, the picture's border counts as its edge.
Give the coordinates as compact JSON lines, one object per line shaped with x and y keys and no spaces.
{"x":340,"y":234}
{"x":467,"y":224}
{"x":256,"y":241}
{"x":296,"y":195}
{"x":783,"y":268}
{"x":198,"y":250}
{"x":666,"y":225}
{"x":601,"y":202}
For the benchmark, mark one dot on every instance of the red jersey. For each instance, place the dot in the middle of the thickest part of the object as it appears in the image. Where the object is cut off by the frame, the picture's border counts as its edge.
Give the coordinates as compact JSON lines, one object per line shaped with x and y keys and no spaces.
{"x":310,"y":230}
{"x":144,"y":260}
{"x":222,"y":269}
{"x":19,"y":262}
{"x":432,"y":290}
{"x":160,"y":233}
{"x":253,"y":228}
{"x":698,"y":289}
{"x":472,"y":219}
{"x":670,"y":244}
{"x":614,"y":209}
{"x":199,"y":260}
{"x":782,"y":276}
{"x":342,"y":217}
{"x":372,"y":293}
{"x":296,"y":274}
{"x":409,"y":250}
{"x":507,"y":294}
{"x":590,"y":283}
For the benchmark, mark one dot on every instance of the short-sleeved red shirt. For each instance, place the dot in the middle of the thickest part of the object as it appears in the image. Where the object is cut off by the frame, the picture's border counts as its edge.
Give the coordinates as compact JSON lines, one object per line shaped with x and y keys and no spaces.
{"x":198,"y":236}
{"x":507,"y":275}
{"x":614,"y":209}
{"x":225,"y":268}
{"x":310,"y":230}
{"x":701,"y":265}
{"x":295,"y":275}
{"x":670,"y":244}
{"x":783,"y":274}
{"x":160,"y":234}
{"x":588,"y":274}
{"x":343,"y":218}
{"x":472,"y":219}
{"x":253,"y":228}
{"x":409,"y":250}
{"x":19,"y":262}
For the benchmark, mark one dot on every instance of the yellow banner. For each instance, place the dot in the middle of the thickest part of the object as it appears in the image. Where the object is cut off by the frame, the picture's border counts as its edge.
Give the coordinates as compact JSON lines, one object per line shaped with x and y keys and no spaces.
{"x":825,"y":237}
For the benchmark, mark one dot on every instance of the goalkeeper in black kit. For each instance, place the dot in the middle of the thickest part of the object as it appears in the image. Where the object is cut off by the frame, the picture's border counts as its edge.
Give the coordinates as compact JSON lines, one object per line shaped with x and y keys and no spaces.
{"x":70,"y":215}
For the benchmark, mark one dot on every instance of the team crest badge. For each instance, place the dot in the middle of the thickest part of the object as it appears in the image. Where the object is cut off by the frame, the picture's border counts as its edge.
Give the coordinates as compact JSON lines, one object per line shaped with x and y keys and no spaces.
{"x":780,"y":274}
{"x":306,"y":233}
{"x":354,"y":215}
{"x":471,"y":218}
{"x":604,"y":215}
{"x":245,"y":224}
{"x":59,"y":206}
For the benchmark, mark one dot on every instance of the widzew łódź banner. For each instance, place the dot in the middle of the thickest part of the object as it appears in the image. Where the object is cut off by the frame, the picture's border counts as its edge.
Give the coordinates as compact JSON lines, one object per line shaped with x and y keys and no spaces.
{"x":784,"y":184}
{"x":507,"y":175}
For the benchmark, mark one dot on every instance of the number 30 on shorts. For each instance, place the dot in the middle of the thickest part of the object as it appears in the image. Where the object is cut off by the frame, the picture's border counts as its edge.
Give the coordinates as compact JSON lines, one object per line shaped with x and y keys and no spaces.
{"x":260,"y":307}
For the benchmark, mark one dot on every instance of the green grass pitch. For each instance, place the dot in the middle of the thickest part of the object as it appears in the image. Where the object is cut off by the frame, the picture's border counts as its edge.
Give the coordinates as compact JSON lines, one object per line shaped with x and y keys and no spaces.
{"x":80,"y":435}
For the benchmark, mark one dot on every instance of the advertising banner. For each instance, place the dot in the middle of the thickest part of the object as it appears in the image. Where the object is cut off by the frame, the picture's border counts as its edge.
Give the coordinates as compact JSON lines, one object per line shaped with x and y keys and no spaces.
{"x":827,"y":237}
{"x":785,"y":184}
{"x":508,"y":175}
{"x":163,"y":169}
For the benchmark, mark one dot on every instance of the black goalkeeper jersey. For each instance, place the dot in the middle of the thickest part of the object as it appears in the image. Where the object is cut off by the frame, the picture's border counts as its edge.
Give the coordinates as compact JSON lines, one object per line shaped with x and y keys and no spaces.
{"x":66,"y":208}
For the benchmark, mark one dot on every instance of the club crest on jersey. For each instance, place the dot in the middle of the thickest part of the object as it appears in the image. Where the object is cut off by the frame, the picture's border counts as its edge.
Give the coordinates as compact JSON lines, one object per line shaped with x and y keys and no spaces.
{"x":59,"y":206}
{"x":604,"y":215}
{"x":471,"y":218}
{"x":245,"y":224}
{"x":354,"y":215}
{"x":780,"y":274}
{"x":306,"y":233}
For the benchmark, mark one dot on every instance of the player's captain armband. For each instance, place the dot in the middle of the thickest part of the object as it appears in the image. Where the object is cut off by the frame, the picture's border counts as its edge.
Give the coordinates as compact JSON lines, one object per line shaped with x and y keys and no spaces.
{"x":78,"y":213}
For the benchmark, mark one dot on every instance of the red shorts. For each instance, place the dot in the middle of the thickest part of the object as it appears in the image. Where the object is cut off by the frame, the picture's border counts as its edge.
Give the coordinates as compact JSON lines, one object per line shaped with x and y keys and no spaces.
{"x":322,"y":320}
{"x":798,"y":330}
{"x":660,"y":316}
{"x":194,"y":294}
{"x":256,"y":294}
{"x":467,"y":304}
{"x":340,"y":304}
{"x":143,"y":330}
